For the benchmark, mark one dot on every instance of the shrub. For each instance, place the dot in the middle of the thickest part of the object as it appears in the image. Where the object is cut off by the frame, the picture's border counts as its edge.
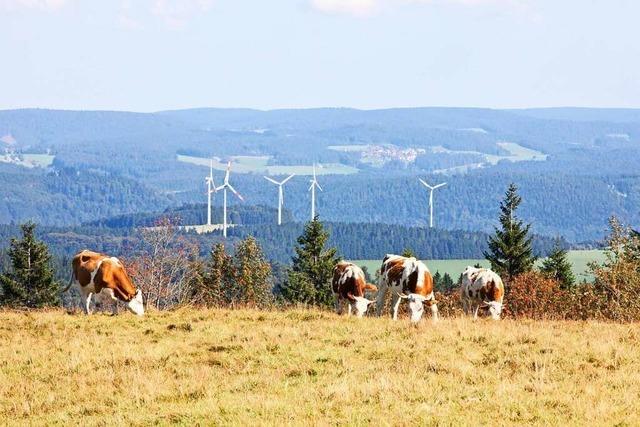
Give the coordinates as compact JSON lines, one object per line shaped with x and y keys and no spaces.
{"x":534,"y":296}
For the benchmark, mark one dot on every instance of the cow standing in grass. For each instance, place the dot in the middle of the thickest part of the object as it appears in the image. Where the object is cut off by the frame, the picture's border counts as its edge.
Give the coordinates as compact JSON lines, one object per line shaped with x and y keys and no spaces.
{"x":408,"y":279}
{"x":348,"y":286}
{"x":481,"y":288}
{"x":103,"y":275}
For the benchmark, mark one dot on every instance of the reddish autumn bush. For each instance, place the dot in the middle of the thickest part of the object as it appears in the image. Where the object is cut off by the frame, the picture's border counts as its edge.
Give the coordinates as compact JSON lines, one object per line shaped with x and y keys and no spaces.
{"x":535,"y":296}
{"x":449,"y":304}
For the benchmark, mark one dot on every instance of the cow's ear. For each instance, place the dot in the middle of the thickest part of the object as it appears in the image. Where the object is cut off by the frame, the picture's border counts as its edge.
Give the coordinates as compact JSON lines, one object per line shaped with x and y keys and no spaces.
{"x":351,"y":297}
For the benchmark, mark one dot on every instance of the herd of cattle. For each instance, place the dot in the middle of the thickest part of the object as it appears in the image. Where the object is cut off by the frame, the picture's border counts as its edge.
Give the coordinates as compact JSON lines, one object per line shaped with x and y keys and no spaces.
{"x":408,"y":279}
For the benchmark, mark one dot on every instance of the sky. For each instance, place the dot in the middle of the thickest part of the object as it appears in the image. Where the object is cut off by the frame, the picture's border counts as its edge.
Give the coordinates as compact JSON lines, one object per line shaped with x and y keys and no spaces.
{"x":151,"y":55}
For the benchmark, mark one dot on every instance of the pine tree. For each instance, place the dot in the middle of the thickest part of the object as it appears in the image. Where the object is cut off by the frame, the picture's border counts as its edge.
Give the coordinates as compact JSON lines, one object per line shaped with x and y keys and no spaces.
{"x":437,"y":281}
{"x":557,"y":266}
{"x":30,"y":282}
{"x":510,"y":252}
{"x":253,"y":273}
{"x":408,"y":253}
{"x":447,"y":282}
{"x":310,"y":275}
{"x":216,"y":288}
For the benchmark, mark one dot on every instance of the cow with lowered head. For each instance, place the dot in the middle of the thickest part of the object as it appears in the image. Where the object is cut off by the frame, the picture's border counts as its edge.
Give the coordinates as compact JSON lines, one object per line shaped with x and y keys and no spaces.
{"x":348,"y":286}
{"x":102,"y":275}
{"x":410,"y":280}
{"x":481,"y":288}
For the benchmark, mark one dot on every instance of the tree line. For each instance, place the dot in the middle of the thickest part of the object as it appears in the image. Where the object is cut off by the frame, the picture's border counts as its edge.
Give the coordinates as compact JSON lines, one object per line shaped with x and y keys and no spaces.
{"x":169,"y":269}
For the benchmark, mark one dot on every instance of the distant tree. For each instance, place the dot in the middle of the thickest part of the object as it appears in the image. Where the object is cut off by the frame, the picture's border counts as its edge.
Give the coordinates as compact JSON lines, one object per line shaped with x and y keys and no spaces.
{"x":310,"y":275}
{"x":437,"y":280}
{"x":510,"y":252}
{"x":252,"y":273}
{"x":477,"y":265}
{"x":216,"y":286}
{"x":409,"y":253}
{"x":557,"y":266}
{"x":447,"y":282}
{"x":30,"y":282}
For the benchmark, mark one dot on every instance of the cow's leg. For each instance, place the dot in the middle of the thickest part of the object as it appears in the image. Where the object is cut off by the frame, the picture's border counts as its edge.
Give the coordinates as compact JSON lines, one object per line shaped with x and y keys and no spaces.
{"x":475,"y":311}
{"x":338,"y":305}
{"x":396,"y":300}
{"x":114,"y":301}
{"x":348,"y":309}
{"x":382,"y":294}
{"x":465,"y":306}
{"x":86,"y":302}
{"x":434,"y":311}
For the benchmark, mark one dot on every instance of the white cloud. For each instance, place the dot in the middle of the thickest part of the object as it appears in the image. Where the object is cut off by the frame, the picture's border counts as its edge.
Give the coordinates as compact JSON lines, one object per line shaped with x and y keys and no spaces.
{"x":177,"y":13}
{"x":43,"y":5}
{"x":368,"y":7}
{"x":350,"y":7}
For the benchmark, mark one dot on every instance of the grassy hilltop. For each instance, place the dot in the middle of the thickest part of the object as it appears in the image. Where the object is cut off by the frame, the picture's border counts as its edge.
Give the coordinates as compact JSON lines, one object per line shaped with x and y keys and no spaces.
{"x":309,"y":367}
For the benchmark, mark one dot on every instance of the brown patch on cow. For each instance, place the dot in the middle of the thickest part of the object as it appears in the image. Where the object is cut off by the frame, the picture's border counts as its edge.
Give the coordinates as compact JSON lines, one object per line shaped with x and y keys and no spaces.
{"x":491,"y":291}
{"x":427,"y":285}
{"x":370,"y":287}
{"x":84,"y":264}
{"x":113,"y":276}
{"x":394,"y":271}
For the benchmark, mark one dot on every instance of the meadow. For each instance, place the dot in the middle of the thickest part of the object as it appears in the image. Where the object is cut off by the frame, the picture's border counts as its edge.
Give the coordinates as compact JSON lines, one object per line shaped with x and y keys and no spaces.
{"x":260,"y":164}
{"x":579,"y":259}
{"x":302,"y":367}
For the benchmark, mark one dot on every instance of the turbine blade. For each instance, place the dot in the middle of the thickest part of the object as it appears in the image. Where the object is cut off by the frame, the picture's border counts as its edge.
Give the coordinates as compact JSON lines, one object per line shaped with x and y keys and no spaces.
{"x":311,"y":186}
{"x":226,"y":177}
{"x":233,"y":190}
{"x":288,"y":178}
{"x":318,"y":185}
{"x":440,"y":185}
{"x":221,"y":187}
{"x":271,"y":180}
{"x":425,"y":184}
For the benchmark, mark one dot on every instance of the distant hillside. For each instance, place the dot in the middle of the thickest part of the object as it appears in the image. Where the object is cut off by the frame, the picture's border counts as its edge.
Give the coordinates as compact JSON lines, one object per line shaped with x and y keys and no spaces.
{"x":575,"y":167}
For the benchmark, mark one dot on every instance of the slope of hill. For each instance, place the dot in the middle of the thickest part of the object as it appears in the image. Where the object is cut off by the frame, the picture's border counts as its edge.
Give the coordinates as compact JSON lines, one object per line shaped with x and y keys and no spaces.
{"x":583,"y":168}
{"x":309,"y":367}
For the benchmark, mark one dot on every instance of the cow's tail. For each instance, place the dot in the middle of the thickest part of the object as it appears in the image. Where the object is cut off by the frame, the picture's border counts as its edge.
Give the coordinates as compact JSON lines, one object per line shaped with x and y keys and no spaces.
{"x":69,"y":285}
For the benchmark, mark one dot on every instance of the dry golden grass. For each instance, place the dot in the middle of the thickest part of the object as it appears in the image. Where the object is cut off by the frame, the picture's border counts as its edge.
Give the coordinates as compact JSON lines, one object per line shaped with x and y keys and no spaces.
{"x":308,"y":367}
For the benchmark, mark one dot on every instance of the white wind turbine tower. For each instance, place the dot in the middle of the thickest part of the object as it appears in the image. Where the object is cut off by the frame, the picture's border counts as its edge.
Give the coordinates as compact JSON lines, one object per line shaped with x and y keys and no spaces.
{"x":431,"y":188}
{"x":312,"y":188}
{"x":280,"y":194}
{"x":224,"y":187}
{"x":211,"y":188}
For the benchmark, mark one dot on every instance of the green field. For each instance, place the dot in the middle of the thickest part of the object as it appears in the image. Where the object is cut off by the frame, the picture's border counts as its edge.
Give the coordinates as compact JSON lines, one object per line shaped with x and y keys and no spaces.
{"x":259,"y":164}
{"x":29,"y":160}
{"x":579,"y":260}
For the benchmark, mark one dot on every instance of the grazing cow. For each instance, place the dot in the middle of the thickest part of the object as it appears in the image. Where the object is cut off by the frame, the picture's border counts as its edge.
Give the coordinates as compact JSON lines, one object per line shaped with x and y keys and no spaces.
{"x":100,"y":274}
{"x":481,"y":288}
{"x":408,"y":279}
{"x":348,"y":285}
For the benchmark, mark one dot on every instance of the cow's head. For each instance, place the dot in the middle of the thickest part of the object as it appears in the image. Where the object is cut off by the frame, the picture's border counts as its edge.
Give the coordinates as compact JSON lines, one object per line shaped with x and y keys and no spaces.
{"x":495,"y":309}
{"x":416,"y":305}
{"x":359,"y":304}
{"x":136,"y":305}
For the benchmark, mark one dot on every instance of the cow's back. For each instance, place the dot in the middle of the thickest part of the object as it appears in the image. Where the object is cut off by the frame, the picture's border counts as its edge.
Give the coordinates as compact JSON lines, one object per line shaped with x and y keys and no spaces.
{"x":348,"y":278}
{"x":84,"y":264}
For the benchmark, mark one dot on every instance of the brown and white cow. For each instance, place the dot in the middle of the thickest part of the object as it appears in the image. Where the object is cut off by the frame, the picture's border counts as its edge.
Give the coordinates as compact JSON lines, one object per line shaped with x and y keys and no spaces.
{"x":408,"y":279}
{"x":348,"y":285}
{"x":103,"y":275}
{"x":481,"y":288}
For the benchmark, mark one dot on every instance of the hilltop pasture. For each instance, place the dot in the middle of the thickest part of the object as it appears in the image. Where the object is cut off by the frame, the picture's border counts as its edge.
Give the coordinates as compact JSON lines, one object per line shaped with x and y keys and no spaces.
{"x":302,"y":367}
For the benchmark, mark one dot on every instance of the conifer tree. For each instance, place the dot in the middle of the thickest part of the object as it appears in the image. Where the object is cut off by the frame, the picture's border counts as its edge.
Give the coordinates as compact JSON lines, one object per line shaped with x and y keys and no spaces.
{"x":310,"y":275}
{"x":216,"y":287}
{"x":408,"y":253}
{"x":30,"y":281}
{"x":447,"y":282}
{"x":437,"y":281}
{"x":557,"y":266}
{"x":510,"y":252}
{"x":252,"y":273}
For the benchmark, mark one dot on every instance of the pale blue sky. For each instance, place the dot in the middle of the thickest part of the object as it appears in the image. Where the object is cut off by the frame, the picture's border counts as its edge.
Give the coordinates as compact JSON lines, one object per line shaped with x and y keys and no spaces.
{"x":147,"y":55}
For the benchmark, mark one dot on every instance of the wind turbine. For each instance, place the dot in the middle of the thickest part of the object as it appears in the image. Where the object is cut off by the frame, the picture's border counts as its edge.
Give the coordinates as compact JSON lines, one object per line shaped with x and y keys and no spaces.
{"x":280,"y":194}
{"x":211,"y":188}
{"x":431,"y":188}
{"x":224,"y":187}
{"x":312,"y":188}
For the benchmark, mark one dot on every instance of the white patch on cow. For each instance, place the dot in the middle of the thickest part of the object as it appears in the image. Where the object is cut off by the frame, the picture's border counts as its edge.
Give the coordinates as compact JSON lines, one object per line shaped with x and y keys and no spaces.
{"x":116,"y":261}
{"x":136,"y":305}
{"x":360,"y":305}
